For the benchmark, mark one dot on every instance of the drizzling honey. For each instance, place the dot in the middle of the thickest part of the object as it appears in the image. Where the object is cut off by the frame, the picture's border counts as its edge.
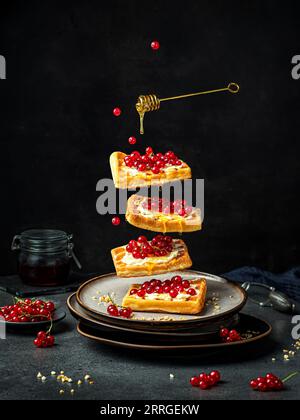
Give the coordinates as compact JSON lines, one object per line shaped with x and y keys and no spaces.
{"x":149,"y":103}
{"x":146,"y":103}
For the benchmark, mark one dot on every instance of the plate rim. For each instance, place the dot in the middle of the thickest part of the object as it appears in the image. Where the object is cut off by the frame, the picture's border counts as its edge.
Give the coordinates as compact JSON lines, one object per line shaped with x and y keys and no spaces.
{"x":120,"y":344}
{"x":191,"y":321}
{"x":122,"y":328}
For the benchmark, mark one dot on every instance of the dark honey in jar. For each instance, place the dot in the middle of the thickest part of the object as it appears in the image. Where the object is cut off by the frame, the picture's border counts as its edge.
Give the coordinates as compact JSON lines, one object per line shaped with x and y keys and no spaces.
{"x":44,"y":257}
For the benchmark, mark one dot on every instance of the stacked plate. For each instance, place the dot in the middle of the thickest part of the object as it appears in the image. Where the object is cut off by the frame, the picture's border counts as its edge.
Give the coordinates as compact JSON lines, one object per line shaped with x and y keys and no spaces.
{"x":157,"y":331}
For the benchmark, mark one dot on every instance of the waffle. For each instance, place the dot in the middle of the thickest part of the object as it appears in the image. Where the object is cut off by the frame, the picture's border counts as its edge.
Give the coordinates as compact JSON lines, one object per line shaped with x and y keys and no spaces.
{"x":154,"y":265}
{"x":124,"y":179}
{"x":159,"y":222}
{"x":192,"y":305}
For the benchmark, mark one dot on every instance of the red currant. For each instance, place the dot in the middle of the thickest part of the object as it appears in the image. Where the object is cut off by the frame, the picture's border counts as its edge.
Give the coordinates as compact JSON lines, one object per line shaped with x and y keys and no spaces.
{"x":194,"y":381}
{"x":132,"y":141}
{"x":177,"y":279}
{"x":50,"y":340}
{"x":149,"y":151}
{"x":117,"y":112}
{"x":41,"y":335}
{"x":254,"y":384}
{"x":141,"y":293}
{"x":204,"y":385}
{"x":116,"y":221}
{"x":155,"y":45}
{"x":262,"y":387}
{"x":186,"y":284}
{"x":192,"y":292}
{"x":215,"y":376}
{"x":125,"y":313}
{"x":173,"y":293}
{"x":224,"y":333}
{"x":38,"y":343}
{"x":50,"y":306}
{"x":113,"y":310}
{"x":203,"y":377}
{"x":133,"y":292}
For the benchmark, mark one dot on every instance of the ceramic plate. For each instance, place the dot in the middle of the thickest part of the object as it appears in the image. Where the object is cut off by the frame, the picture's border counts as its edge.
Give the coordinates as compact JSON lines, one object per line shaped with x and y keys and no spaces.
{"x":58,"y":316}
{"x":197,"y":332}
{"x":147,"y":344}
{"x":232,"y":298}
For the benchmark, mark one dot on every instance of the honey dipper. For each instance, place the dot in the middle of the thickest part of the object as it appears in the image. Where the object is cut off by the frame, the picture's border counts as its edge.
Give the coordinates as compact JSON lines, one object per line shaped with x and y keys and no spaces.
{"x":149,"y":103}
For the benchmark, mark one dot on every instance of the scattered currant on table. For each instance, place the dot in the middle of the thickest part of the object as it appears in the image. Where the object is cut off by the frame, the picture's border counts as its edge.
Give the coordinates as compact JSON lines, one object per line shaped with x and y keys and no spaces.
{"x":270,"y":382}
{"x":151,"y":161}
{"x":155,"y":45}
{"x":116,"y":221}
{"x":160,"y":246}
{"x":232,"y":336}
{"x":161,"y":205}
{"x":173,"y":287}
{"x":206,"y":381}
{"x":44,"y":339}
{"x":28,"y":310}
{"x":117,"y":112}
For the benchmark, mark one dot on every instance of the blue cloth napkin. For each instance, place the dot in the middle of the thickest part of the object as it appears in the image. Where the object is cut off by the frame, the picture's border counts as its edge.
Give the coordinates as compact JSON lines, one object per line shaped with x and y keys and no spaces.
{"x":288,"y":283}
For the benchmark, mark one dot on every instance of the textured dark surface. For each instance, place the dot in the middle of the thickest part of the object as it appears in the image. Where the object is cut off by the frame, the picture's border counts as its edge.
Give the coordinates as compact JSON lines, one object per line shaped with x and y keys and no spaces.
{"x":133,"y":375}
{"x":70,"y":63}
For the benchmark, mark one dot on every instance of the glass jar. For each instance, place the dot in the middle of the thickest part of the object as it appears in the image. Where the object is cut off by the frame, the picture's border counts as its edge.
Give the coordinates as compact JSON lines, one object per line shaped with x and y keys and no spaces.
{"x":44,"y":257}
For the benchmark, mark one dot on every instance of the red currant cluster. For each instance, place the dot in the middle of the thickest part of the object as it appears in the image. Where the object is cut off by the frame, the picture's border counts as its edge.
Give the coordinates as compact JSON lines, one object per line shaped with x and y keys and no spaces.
{"x":172,"y":287}
{"x":113,"y":310}
{"x":268,"y":383}
{"x":205,"y":381}
{"x":230,"y":336}
{"x":151,"y":161}
{"x":160,"y":246}
{"x":44,"y":340}
{"x":28,"y":311}
{"x":164,"y":206}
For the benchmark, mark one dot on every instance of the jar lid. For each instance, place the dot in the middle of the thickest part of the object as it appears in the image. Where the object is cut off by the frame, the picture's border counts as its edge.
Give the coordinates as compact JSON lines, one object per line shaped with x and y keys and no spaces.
{"x":43,"y":240}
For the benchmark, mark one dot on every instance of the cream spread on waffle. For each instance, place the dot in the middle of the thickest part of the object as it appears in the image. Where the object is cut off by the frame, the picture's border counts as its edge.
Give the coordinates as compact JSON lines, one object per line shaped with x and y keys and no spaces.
{"x":135,"y":172}
{"x":167,"y":297}
{"x":149,"y":213}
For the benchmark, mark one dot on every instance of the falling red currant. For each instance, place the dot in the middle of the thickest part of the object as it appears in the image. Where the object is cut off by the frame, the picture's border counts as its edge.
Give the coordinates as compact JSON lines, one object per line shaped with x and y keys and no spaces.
{"x":155,"y":45}
{"x":117,"y":112}
{"x":116,"y":221}
{"x":132,"y":141}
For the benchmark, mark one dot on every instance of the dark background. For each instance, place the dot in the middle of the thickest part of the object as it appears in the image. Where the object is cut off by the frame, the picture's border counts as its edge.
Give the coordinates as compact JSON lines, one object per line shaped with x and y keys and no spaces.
{"x":70,"y":63}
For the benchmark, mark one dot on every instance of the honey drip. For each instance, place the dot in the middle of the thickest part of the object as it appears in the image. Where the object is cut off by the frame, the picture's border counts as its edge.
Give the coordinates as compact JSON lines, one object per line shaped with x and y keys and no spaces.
{"x":149,"y":103}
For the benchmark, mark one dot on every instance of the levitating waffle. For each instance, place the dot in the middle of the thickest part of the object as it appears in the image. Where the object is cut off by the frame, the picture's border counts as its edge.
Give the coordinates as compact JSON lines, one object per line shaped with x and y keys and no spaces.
{"x":142,"y":258}
{"x":159,"y":215}
{"x":189,"y":300}
{"x":135,"y":170}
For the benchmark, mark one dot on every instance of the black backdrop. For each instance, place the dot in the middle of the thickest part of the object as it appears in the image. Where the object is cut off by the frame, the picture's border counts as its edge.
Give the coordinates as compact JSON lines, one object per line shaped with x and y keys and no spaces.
{"x":70,"y":63}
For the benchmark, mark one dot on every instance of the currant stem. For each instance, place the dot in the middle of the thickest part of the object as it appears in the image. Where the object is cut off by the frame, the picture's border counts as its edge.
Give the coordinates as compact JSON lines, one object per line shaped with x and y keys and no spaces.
{"x":290,"y":377}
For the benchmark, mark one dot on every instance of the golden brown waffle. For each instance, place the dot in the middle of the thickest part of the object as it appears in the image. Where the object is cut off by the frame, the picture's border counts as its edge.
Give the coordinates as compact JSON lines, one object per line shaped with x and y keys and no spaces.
{"x":157,"y":265}
{"x":159,"y":222}
{"x":124,"y":179}
{"x":191,"y":306}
